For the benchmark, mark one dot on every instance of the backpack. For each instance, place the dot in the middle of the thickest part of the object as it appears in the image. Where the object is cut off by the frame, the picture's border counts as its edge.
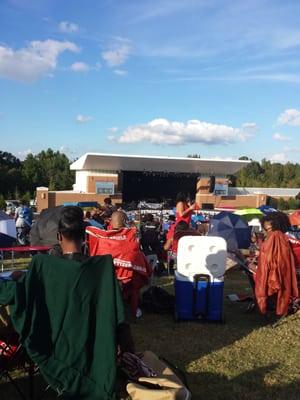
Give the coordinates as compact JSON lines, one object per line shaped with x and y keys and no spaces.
{"x":157,"y":300}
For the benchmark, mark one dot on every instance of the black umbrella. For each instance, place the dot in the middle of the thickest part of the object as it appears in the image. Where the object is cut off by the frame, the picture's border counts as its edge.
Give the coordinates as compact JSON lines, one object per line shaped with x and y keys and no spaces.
{"x":232,"y":228}
{"x":44,"y":230}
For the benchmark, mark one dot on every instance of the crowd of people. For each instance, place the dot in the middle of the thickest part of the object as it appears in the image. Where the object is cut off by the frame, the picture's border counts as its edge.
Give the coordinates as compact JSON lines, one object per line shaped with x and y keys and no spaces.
{"x":123,"y":251}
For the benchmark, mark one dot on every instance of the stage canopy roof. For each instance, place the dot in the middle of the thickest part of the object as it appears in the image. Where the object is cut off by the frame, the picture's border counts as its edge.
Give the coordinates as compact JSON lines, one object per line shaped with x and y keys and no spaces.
{"x":118,"y":162}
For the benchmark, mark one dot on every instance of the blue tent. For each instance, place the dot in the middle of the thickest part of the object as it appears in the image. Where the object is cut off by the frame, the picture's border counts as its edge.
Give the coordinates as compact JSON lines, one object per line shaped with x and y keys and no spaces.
{"x":7,"y":230}
{"x":232,"y":228}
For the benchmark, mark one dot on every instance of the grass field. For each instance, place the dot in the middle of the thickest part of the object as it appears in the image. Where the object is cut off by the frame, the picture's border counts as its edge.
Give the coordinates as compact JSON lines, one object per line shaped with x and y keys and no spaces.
{"x":246,"y":358}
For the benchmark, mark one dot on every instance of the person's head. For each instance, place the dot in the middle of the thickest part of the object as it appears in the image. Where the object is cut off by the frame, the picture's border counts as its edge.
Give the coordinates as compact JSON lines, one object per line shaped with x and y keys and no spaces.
{"x":118,"y":220}
{"x":107,"y":201}
{"x":23,"y":203}
{"x":275,"y":221}
{"x":202,"y":229}
{"x":87,"y":214}
{"x":181,"y":197}
{"x":148,"y":218}
{"x":71,"y":228}
{"x":171,"y":218}
{"x":182,"y":226}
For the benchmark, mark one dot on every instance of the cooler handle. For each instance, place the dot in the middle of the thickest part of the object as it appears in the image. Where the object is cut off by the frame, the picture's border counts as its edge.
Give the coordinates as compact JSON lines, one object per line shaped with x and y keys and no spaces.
{"x":200,"y":278}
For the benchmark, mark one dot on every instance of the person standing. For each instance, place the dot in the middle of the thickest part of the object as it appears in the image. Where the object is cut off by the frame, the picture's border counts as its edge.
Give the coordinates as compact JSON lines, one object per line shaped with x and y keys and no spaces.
{"x":184,"y":209}
{"x":23,"y":218}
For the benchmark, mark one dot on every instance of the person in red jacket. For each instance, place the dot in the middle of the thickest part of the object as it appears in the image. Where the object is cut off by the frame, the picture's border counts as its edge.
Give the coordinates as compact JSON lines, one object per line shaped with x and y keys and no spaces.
{"x":275,"y":280}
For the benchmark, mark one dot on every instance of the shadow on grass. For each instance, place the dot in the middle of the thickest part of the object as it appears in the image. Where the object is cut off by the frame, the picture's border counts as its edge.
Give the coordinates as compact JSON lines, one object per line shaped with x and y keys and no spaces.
{"x":186,"y":341}
{"x":8,"y":391}
{"x":250,"y":385}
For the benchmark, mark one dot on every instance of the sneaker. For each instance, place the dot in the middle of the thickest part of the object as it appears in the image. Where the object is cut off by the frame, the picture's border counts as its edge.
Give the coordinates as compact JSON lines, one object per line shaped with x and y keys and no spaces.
{"x":138,"y":313}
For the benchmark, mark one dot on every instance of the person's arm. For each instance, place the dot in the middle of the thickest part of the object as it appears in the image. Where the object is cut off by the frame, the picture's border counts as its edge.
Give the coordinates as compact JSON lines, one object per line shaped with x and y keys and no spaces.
{"x":168,"y":244}
{"x":17,"y":214}
{"x":8,"y":288}
{"x":183,"y":212}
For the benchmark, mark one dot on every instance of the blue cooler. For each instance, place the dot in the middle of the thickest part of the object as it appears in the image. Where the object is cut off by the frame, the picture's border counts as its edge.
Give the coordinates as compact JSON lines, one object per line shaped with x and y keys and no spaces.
{"x":198,"y":298}
{"x":199,"y":279}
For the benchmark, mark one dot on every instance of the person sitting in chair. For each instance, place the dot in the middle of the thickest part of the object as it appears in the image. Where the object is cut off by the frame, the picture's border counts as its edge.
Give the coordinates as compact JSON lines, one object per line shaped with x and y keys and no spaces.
{"x":131,"y":266}
{"x":69,"y":314}
{"x":275,"y":279}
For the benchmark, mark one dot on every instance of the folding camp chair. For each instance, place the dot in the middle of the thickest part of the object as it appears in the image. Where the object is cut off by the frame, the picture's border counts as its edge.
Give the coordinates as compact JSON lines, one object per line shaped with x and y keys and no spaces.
{"x":244,"y":265}
{"x":13,"y":357}
{"x":131,"y":266}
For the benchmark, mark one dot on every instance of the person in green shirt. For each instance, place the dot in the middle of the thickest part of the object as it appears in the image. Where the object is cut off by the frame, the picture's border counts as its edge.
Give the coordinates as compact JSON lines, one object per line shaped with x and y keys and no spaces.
{"x":69,"y":314}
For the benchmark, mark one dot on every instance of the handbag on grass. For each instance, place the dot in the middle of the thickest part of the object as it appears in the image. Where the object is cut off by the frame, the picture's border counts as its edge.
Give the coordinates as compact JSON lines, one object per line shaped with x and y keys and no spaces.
{"x":162,"y":383}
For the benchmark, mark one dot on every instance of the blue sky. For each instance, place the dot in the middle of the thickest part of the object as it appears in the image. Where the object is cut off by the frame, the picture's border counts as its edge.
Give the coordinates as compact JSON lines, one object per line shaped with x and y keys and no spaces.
{"x":162,"y":77}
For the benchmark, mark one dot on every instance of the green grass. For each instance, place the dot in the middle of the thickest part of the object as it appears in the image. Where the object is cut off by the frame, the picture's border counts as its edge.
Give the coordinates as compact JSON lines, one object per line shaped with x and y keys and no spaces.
{"x":246,"y":358}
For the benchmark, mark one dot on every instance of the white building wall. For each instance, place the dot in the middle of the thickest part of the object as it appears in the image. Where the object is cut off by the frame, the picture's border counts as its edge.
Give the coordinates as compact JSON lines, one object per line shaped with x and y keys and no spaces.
{"x":81,"y":179}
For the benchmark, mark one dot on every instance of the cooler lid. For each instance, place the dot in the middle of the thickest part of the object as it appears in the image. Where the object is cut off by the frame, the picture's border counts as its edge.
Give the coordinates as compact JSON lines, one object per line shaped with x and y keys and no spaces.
{"x":202,"y":255}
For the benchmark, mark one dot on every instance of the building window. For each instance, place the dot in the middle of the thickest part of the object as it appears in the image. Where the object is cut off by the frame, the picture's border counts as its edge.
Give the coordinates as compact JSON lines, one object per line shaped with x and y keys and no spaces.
{"x":106,"y":188}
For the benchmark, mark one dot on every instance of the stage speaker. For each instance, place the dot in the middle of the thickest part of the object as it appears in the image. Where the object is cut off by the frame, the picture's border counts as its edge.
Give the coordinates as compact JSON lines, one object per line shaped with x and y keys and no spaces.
{"x":212,"y":182}
{"x":208,"y":206}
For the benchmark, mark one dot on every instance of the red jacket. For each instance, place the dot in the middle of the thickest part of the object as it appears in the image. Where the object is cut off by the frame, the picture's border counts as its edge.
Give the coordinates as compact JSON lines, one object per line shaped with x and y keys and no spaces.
{"x":276,"y":274}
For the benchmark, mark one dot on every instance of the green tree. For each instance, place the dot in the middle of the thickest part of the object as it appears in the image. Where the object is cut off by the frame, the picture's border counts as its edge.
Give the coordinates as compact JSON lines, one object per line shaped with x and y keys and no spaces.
{"x":26,"y":197}
{"x":2,"y":202}
{"x":193,"y":156}
{"x":292,"y":203}
{"x":282,"y":204}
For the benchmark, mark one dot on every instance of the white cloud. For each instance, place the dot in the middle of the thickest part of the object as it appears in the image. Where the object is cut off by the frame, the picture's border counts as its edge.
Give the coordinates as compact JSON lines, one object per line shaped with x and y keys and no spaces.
{"x":81,"y":119}
{"x":113,"y":129}
{"x":118,"y":52}
{"x":68,"y":27}
{"x":120,"y":72}
{"x":36,"y":60}
{"x":250,"y":128}
{"x":278,"y":158}
{"x":80,"y":67}
{"x":290,"y":116}
{"x":280,"y":138}
{"x":162,"y":131}
{"x":23,"y":154}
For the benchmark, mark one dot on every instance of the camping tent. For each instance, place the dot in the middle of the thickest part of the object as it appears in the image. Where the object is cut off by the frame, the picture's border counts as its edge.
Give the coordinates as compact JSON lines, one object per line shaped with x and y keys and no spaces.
{"x":7,"y":230}
{"x":44,"y":230}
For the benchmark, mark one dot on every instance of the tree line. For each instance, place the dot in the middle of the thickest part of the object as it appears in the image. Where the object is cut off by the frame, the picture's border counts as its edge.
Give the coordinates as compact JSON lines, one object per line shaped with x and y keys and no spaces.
{"x":268,"y":174}
{"x":19,"y":179}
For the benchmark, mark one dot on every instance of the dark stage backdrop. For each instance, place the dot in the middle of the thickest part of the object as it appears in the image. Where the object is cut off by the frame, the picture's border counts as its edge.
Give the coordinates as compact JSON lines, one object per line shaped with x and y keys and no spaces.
{"x":136,"y":186}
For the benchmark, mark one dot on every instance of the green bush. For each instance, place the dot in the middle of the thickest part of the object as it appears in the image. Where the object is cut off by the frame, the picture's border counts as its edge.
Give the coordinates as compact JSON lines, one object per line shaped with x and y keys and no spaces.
{"x":282,"y":204}
{"x":293,"y":203}
{"x":2,"y":203}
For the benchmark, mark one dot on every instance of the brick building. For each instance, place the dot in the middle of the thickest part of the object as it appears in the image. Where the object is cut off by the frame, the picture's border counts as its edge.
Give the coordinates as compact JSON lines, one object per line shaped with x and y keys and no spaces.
{"x":126,"y":178}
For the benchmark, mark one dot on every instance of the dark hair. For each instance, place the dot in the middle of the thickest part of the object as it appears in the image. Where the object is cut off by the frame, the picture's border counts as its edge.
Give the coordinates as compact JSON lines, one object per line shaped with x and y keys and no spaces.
{"x":171,"y":217}
{"x":148,"y":217}
{"x":107,"y":200}
{"x":71,"y":224}
{"x":181,"y":197}
{"x":88,"y":214}
{"x":181,"y":227}
{"x":279,"y":221}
